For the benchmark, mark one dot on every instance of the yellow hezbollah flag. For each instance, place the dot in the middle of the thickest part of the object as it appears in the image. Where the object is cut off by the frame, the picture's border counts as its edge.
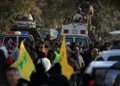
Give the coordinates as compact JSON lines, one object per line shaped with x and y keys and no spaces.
{"x":24,"y":63}
{"x":67,"y":70}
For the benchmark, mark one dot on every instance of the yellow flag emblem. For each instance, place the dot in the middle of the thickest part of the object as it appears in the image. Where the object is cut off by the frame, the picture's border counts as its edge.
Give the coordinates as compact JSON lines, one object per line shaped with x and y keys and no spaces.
{"x":67,"y":70}
{"x":24,"y":63}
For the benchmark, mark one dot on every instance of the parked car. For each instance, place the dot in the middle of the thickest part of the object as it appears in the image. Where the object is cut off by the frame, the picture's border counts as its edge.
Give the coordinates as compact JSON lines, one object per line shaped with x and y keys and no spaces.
{"x":95,"y":73}
{"x":110,"y":55}
{"x":117,"y":81}
{"x":113,"y":75}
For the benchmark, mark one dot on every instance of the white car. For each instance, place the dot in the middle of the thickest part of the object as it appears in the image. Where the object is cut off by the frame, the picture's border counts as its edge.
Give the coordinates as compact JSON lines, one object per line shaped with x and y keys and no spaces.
{"x":98,"y":73}
{"x":95,"y":65}
{"x":110,"y":55}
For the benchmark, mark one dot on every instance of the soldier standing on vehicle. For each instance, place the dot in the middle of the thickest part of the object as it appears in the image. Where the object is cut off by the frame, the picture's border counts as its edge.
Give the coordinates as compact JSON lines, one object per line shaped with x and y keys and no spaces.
{"x":78,"y":17}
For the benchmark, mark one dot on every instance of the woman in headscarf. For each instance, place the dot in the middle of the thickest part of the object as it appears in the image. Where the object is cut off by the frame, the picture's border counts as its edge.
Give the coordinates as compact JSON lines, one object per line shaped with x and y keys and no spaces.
{"x":40,"y":76}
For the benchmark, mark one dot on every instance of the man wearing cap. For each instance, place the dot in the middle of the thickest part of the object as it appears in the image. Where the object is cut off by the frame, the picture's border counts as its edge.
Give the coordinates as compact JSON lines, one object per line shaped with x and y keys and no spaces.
{"x":4,"y":49}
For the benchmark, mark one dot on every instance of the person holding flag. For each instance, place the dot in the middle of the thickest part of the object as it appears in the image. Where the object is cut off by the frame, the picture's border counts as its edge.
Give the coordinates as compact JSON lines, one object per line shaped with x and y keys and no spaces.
{"x":24,"y":63}
{"x":44,"y":49}
{"x":67,"y":70}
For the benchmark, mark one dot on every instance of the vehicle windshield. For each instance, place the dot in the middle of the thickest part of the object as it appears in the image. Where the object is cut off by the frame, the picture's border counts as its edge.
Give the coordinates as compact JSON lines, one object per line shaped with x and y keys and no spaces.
{"x":114,"y":58}
{"x":83,"y":41}
{"x":111,"y":77}
{"x":69,"y":40}
{"x":99,"y":75}
{"x":8,"y":39}
{"x":117,"y":81}
{"x":24,"y":38}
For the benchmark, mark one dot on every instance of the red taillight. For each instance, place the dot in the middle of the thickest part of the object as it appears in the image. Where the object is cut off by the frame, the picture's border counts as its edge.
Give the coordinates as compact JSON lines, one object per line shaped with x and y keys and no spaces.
{"x":91,"y":83}
{"x":65,"y":31}
{"x":82,"y":31}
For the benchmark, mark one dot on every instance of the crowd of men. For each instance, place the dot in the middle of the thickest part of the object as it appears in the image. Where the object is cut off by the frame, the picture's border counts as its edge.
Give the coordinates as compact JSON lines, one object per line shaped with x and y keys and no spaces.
{"x":48,"y":72}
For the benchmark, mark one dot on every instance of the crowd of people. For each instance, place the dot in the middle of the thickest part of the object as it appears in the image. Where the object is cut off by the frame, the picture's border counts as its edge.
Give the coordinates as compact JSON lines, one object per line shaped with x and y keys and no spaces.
{"x":48,"y":72}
